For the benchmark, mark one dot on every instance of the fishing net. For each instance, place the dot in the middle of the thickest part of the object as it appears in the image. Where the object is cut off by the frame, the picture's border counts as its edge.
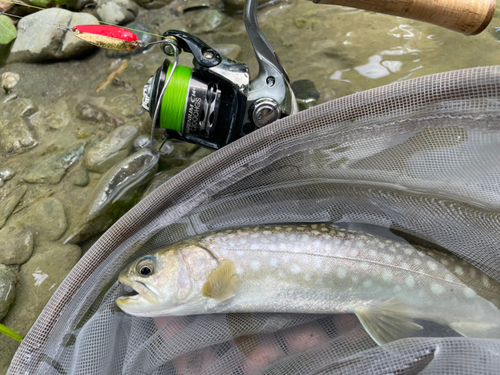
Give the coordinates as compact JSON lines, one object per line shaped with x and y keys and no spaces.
{"x":418,"y":156}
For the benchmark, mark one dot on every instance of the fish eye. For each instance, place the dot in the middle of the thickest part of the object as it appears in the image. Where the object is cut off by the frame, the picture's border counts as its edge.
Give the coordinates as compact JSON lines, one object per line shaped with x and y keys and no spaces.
{"x":145,"y":268}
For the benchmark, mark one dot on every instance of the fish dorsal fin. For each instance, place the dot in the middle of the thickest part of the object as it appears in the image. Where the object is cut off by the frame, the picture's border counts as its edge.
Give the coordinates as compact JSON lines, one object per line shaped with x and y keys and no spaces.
{"x":223,"y":282}
{"x":387,"y":322}
{"x":477,"y":330}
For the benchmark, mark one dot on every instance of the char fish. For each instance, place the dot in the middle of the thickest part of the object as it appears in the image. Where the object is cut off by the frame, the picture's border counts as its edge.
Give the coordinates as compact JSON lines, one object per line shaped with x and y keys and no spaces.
{"x":315,"y":268}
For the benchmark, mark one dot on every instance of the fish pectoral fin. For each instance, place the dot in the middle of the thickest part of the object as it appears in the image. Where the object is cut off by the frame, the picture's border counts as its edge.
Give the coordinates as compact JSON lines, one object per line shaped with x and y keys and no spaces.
{"x":477,"y":330}
{"x":387,"y":322}
{"x":223,"y":282}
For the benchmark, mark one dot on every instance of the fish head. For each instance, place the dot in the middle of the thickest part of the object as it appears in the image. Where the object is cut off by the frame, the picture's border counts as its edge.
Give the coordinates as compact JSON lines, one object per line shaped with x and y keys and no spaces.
{"x":167,"y":281}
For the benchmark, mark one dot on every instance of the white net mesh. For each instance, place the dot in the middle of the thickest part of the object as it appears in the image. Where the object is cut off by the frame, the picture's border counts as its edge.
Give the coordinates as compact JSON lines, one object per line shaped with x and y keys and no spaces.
{"x":419,"y":156}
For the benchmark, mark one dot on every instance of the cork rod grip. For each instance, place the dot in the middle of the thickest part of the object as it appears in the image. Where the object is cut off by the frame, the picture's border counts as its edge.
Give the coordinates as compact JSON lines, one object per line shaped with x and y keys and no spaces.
{"x":468,"y":17}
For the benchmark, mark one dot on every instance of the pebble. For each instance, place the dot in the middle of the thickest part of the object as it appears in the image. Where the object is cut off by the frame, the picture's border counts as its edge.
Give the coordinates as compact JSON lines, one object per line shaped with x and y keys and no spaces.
{"x":46,"y":218}
{"x":176,"y":154}
{"x":7,"y":289}
{"x":208,"y":21}
{"x":92,"y":113}
{"x":9,"y":80}
{"x":16,"y":244}
{"x":142,"y":141}
{"x":9,"y":202}
{"x":116,"y":12}
{"x":15,"y":134}
{"x":52,"y":169}
{"x":38,"y":40}
{"x":6,"y":175}
{"x":153,"y":4}
{"x":80,"y":178}
{"x":111,"y":150}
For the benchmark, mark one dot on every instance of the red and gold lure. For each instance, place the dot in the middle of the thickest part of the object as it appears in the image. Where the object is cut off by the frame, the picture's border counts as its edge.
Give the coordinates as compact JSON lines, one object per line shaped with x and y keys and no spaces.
{"x":109,"y":37}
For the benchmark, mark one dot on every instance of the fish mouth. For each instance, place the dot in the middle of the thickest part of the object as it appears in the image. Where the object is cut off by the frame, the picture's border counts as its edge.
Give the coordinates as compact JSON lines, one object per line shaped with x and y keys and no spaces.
{"x":141,"y":292}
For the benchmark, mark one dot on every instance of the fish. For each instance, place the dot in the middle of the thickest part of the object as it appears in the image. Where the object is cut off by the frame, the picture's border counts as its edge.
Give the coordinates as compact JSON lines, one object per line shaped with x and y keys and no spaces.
{"x":318,"y":268}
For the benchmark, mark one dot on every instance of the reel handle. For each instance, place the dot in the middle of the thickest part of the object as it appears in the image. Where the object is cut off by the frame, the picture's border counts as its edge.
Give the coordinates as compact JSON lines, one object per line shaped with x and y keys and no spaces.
{"x":468,"y":17}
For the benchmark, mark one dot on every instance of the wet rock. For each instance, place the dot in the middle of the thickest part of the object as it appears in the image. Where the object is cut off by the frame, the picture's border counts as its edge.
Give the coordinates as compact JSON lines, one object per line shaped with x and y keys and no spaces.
{"x":231,"y":51}
{"x":52,"y":169}
{"x":38,"y":40}
{"x":142,"y":141}
{"x":208,"y":21}
{"x":116,"y":12}
{"x":305,"y":93}
{"x":7,"y":289}
{"x":153,"y":4}
{"x":9,"y":80}
{"x":92,"y":113}
{"x":61,"y":116}
{"x":16,"y":245}
{"x":176,"y":153}
{"x":10,"y":202}
{"x":38,"y":280}
{"x":111,"y":150}
{"x":79,"y":5}
{"x":118,"y":190}
{"x":200,"y":154}
{"x":16,"y":134}
{"x":80,"y":178}
{"x":6,"y":175}
{"x":46,"y":218}
{"x":238,"y":5}
{"x":160,"y":179}
{"x":143,"y":32}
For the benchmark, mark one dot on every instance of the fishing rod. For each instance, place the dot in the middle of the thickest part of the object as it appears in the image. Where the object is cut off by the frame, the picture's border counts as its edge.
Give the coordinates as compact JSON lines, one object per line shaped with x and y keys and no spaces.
{"x":215,"y":102}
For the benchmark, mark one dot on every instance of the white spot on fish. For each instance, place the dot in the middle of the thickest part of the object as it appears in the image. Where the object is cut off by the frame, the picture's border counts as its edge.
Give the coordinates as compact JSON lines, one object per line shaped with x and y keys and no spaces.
{"x":410,"y":281}
{"x":295,"y":269}
{"x":318,"y":262}
{"x":405,"y":266}
{"x":367,"y":283}
{"x":337,"y":241}
{"x":274,"y":262}
{"x":417,"y":262}
{"x":360,"y":244}
{"x":364,"y":265}
{"x":393,"y":249}
{"x":355,"y":279}
{"x":286,"y":258}
{"x":307,"y":277}
{"x":437,"y":289}
{"x":397,"y":288}
{"x":254,"y":246}
{"x":388,"y":258}
{"x":282,"y":247}
{"x":421,"y":293}
{"x":239,"y":271}
{"x":255,"y":265}
{"x":431,"y":265}
{"x":281,"y":274}
{"x":341,"y":272}
{"x":408,"y":250}
{"x":449,"y":277}
{"x":469,"y":293}
{"x":459,"y":270}
{"x":387,"y":276}
{"x":39,"y":276}
{"x":240,"y":253}
{"x":372,"y":253}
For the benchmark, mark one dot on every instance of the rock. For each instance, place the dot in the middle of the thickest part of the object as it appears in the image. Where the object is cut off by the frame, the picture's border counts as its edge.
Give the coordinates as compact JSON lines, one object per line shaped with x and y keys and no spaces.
{"x":38,"y":40}
{"x":208,"y":21}
{"x":9,"y":80}
{"x":79,"y":5}
{"x":118,"y":190}
{"x":46,"y":218}
{"x":142,"y":141}
{"x":61,"y":117}
{"x":116,"y":12}
{"x":200,"y":154}
{"x":6,"y":175}
{"x":160,"y":179}
{"x":111,"y":150}
{"x":7,"y":289}
{"x":144,"y":36}
{"x":15,"y":133}
{"x":176,"y":153}
{"x":16,"y":244}
{"x":52,"y":169}
{"x":10,"y":202}
{"x":238,"y":5}
{"x":305,"y":93}
{"x":231,"y":51}
{"x":38,"y":280}
{"x":153,"y":4}
{"x":89,"y":112}
{"x":80,"y":178}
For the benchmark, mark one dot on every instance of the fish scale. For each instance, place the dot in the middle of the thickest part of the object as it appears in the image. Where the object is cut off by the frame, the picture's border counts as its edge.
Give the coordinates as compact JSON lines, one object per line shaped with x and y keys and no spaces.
{"x":316,"y":268}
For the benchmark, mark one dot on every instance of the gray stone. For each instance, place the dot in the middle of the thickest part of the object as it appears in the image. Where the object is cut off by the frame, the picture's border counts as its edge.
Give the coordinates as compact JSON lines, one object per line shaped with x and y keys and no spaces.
{"x":118,"y":190}
{"x":153,"y":4}
{"x":38,"y":280}
{"x":62,"y":116}
{"x":38,"y":40}
{"x":142,"y":141}
{"x":176,"y":154}
{"x":81,"y":178}
{"x":52,"y":169}
{"x":7,"y":289}
{"x":238,"y":5}
{"x":16,"y":244}
{"x":92,"y":113}
{"x":15,"y":133}
{"x":116,"y":12}
{"x":231,"y":51}
{"x":6,"y":175}
{"x":46,"y":218}
{"x":9,"y":80}
{"x":208,"y":21}
{"x":9,"y":202}
{"x":111,"y":150}
{"x":143,"y":32}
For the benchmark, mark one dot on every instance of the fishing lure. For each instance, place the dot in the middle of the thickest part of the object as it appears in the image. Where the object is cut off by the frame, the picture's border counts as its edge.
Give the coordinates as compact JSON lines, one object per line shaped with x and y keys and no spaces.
{"x":109,"y":37}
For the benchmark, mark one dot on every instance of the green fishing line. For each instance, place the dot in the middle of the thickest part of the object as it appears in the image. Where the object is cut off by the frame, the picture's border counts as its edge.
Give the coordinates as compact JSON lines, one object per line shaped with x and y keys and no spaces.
{"x":174,"y":100}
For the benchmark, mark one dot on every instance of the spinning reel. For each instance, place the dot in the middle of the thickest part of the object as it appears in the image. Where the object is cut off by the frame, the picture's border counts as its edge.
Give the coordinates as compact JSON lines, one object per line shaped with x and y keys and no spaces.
{"x":214,"y":103}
